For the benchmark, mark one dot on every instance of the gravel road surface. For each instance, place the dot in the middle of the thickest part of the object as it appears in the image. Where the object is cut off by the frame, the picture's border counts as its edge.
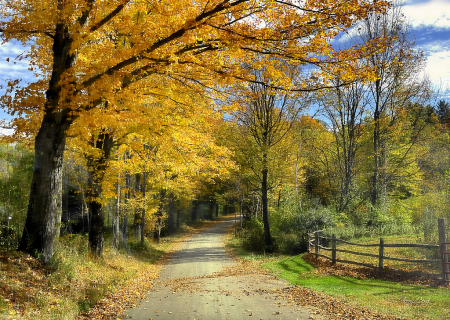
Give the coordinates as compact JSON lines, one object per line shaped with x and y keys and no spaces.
{"x":194,"y":284}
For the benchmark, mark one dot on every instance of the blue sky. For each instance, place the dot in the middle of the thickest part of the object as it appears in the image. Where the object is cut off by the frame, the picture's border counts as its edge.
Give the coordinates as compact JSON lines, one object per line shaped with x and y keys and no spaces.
{"x":430,"y":24}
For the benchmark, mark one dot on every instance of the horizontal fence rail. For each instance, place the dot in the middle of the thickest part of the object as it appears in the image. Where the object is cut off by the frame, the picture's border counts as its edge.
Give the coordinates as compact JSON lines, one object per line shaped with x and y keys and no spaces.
{"x":318,"y":242}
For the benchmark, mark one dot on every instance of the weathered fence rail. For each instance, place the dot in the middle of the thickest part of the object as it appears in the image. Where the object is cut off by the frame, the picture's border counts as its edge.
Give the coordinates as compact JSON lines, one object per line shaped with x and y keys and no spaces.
{"x":321,"y":243}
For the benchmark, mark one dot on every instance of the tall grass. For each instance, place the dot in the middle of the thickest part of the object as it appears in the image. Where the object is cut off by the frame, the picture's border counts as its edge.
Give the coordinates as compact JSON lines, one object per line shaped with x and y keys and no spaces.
{"x":73,"y":283}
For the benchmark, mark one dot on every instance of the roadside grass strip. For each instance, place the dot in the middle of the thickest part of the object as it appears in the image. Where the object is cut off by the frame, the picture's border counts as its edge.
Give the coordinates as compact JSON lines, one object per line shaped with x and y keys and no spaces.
{"x":423,"y":254}
{"x":79,"y":286}
{"x":404,"y":301}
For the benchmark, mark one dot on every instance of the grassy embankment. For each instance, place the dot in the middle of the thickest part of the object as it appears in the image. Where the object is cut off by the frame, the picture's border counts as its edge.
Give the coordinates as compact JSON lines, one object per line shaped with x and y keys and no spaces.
{"x":411,"y":301}
{"x":77,"y":285}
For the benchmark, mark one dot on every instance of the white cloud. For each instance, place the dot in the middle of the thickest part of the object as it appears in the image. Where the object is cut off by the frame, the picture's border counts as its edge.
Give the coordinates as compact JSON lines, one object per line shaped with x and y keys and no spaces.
{"x":9,"y":70}
{"x":438,"y":63}
{"x":6,"y":132}
{"x":11,"y":49}
{"x":435,"y":13}
{"x":438,"y":66}
{"x":14,"y":69}
{"x":437,"y":69}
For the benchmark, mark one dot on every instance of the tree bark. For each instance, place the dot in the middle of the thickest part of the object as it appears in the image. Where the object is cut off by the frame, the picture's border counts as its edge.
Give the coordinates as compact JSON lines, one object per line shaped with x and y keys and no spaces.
{"x":178,"y":218}
{"x":194,"y":210}
{"x":127,"y":196}
{"x":137,"y":210}
{"x":116,"y":229}
{"x":376,"y":144}
{"x":299,"y":152}
{"x":96,"y":171}
{"x":68,"y":224}
{"x":125,"y":215}
{"x":265,"y":171}
{"x":97,"y":226}
{"x":46,"y":188}
{"x":144,"y":186}
{"x":160,"y":214}
{"x":211,"y":209}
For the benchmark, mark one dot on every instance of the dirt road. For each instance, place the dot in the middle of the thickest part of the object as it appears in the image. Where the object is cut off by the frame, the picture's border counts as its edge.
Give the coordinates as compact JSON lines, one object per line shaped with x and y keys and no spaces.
{"x":198,"y":282}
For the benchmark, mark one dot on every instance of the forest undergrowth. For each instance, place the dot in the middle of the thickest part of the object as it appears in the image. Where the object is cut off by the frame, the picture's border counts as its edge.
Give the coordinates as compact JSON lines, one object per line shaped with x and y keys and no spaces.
{"x":78,"y":286}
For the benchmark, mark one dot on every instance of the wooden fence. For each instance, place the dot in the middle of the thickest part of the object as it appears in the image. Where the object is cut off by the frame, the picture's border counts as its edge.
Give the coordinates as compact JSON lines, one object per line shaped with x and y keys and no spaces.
{"x":314,"y":240}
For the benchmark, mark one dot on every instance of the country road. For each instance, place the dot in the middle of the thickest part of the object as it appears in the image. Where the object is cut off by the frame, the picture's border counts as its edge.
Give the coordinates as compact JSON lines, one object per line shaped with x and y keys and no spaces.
{"x":191,"y":286}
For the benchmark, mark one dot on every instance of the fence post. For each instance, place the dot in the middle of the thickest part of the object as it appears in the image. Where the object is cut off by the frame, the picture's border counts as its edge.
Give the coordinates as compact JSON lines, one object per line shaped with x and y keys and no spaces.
{"x":333,"y":249}
{"x":308,"y":246}
{"x":316,"y":244}
{"x":381,"y":255}
{"x":442,"y":239}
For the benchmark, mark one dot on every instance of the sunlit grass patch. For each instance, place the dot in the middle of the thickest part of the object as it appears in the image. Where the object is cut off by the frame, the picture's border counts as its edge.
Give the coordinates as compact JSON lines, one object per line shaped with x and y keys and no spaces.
{"x":402,"y":300}
{"x":405,"y":253}
{"x":234,"y":247}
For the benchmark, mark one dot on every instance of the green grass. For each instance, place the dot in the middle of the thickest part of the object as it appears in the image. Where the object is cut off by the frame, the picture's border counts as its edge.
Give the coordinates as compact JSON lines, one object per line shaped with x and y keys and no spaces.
{"x":235,"y":244}
{"x":405,"y":253}
{"x":401,"y":300}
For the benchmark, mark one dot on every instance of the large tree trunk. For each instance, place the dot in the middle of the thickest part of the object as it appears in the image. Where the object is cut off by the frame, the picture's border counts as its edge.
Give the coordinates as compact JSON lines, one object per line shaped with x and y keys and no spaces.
{"x":97,"y":167}
{"x":97,"y":225}
{"x":46,"y":188}
{"x":44,"y":204}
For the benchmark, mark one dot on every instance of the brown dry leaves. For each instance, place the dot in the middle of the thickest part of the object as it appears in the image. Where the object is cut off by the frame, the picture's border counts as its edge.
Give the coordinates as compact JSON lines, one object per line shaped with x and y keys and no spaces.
{"x":129,"y":296}
{"x":125,"y":297}
{"x":21,"y":278}
{"x":330,"y":307}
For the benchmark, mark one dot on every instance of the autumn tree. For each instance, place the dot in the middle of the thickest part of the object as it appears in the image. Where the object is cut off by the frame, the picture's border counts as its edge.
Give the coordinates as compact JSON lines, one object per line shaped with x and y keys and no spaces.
{"x":267,"y":115}
{"x":442,"y":110}
{"x":397,"y":65}
{"x":317,"y":161}
{"x":16,"y":163}
{"x":169,"y":143}
{"x":304,"y":134}
{"x":344,"y":108}
{"x":87,"y":52}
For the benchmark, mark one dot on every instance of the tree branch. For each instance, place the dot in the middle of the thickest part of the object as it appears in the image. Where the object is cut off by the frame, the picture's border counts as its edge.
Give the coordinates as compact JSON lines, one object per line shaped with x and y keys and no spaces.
{"x":109,"y":17}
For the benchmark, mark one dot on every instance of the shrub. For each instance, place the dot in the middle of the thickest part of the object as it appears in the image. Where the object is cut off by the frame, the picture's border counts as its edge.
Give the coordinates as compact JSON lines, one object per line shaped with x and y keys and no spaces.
{"x":290,"y":224}
{"x":253,"y":235}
